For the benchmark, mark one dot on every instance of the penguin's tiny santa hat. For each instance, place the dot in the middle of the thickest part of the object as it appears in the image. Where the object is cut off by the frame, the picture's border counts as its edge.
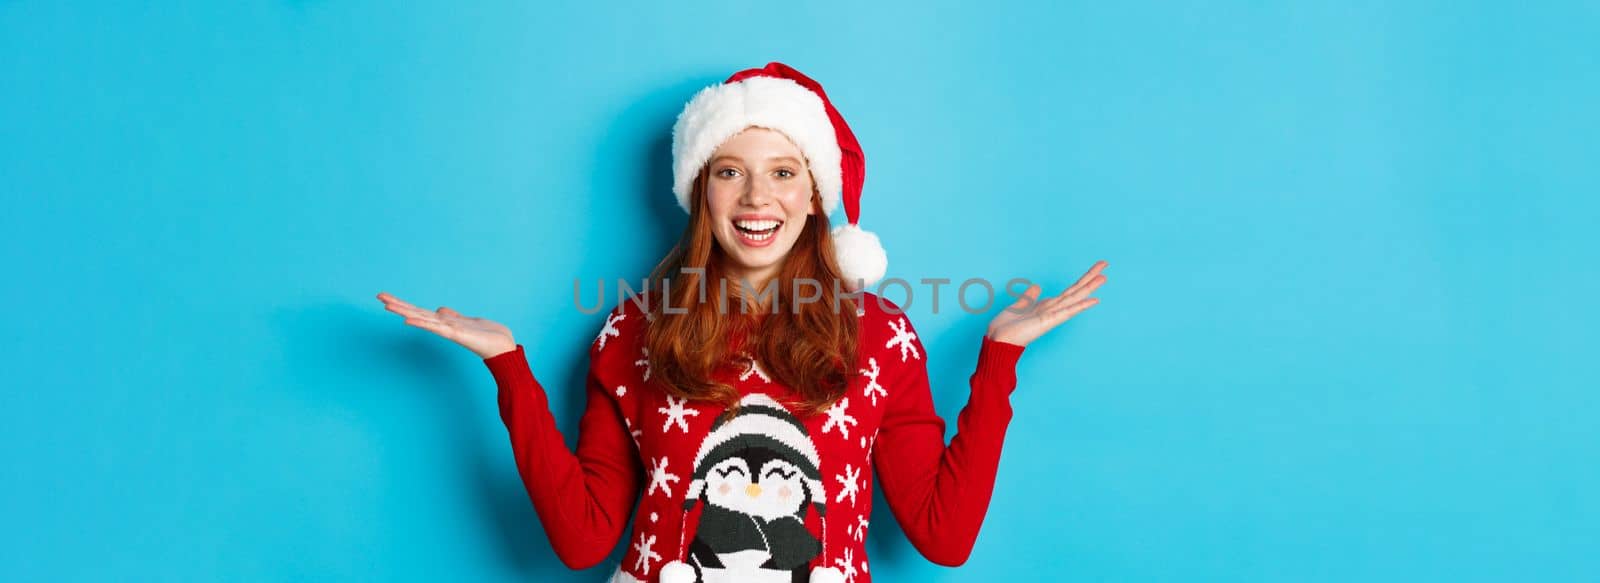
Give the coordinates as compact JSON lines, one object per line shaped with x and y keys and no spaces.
{"x":781,"y":98}
{"x":760,"y":422}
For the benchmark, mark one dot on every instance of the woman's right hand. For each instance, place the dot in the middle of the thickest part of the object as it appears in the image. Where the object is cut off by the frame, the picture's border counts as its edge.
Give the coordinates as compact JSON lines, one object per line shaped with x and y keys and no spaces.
{"x":485,"y":338}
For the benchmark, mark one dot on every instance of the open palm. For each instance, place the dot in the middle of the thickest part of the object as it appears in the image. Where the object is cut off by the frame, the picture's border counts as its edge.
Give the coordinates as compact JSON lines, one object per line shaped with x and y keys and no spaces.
{"x":483,"y":337}
{"x":1029,"y":317}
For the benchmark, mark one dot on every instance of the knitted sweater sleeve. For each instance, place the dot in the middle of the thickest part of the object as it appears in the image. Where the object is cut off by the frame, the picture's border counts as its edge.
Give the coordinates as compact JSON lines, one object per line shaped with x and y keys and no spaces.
{"x":583,"y":499}
{"x":939,"y":493}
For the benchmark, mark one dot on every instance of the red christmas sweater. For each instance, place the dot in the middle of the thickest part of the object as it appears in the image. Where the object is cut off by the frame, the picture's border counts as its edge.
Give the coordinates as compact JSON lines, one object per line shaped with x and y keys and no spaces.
{"x":765,"y":493}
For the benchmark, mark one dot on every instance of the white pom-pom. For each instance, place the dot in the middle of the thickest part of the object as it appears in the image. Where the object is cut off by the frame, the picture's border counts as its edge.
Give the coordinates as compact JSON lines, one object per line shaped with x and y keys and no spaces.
{"x":860,"y":256}
{"x":677,"y":572}
{"x":826,"y":575}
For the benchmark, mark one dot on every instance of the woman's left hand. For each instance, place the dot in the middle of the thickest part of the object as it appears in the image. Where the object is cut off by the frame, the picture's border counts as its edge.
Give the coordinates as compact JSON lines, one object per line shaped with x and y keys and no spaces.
{"x":1029,"y":317}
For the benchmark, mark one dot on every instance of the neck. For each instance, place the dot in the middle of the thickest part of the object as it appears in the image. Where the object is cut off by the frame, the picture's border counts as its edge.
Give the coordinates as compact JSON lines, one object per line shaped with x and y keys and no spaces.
{"x":757,"y":279}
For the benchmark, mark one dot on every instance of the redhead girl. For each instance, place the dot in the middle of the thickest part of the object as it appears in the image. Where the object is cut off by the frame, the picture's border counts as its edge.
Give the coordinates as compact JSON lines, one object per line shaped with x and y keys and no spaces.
{"x":742,"y":409}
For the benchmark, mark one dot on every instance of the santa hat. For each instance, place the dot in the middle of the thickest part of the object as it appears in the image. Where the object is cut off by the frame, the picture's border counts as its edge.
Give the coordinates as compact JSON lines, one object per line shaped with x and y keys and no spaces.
{"x":779,"y":97}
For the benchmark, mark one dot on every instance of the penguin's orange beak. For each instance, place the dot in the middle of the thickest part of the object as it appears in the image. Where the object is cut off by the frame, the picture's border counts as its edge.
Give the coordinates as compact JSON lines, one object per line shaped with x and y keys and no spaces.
{"x":753,"y":490}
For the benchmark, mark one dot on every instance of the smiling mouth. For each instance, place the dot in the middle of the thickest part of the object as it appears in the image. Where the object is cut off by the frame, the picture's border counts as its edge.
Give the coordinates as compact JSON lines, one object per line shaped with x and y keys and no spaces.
{"x":758,"y":230}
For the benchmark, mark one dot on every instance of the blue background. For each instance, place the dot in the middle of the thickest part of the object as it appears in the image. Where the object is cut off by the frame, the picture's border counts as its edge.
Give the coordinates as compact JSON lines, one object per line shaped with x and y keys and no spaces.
{"x":1348,"y":333}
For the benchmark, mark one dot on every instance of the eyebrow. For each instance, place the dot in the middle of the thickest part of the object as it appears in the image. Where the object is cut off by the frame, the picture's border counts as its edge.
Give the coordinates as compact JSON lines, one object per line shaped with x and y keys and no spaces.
{"x":790,"y":159}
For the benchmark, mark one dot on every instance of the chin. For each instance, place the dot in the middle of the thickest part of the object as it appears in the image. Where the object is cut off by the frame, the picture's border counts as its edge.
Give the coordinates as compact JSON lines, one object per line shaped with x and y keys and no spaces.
{"x":748,"y":263}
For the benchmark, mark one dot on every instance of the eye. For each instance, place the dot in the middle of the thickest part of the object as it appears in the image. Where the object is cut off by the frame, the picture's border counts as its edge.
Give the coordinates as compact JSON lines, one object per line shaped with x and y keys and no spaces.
{"x":781,"y":473}
{"x":725,"y":172}
{"x":786,"y":173}
{"x":729,"y":470}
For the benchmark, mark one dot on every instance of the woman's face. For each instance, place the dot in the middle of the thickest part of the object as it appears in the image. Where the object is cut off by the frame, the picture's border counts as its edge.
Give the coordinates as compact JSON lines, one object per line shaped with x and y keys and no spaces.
{"x":759,"y":192}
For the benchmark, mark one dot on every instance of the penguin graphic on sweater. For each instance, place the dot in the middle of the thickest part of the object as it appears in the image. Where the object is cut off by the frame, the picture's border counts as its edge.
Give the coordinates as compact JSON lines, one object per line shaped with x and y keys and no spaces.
{"x":755,"y":476}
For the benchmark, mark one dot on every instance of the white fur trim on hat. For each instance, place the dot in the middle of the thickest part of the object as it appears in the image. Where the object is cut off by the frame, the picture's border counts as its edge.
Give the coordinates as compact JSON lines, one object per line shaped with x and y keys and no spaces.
{"x":860,"y":256}
{"x":721,"y":111}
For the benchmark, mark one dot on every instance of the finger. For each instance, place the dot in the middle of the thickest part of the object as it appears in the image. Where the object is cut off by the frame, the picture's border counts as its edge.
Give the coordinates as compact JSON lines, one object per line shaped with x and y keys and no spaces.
{"x":1029,"y":297}
{"x":1066,"y":312}
{"x":1047,"y":304}
{"x":408,"y":310}
{"x":1078,"y":292}
{"x":1088,"y":276}
{"x":443,"y":311}
{"x":400,"y":306}
{"x":390,"y":299}
{"x":1074,"y":293}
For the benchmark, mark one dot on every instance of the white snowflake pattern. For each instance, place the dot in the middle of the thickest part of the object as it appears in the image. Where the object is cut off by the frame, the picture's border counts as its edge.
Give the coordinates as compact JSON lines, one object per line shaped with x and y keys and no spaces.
{"x":902,"y":338}
{"x":634,"y":433}
{"x":847,"y":563}
{"x":873,"y":389}
{"x":645,"y":554}
{"x":838,"y":418}
{"x":676,"y":414}
{"x":659,"y":476}
{"x":850,"y":479}
{"x":859,"y":529}
{"x":621,"y":390}
{"x":644,"y":362}
{"x":610,"y":329}
{"x":754,"y":368}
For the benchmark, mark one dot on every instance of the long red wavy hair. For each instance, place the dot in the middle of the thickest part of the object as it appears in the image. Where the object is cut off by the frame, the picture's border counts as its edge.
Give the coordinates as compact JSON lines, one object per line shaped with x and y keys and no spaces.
{"x":809,"y":347}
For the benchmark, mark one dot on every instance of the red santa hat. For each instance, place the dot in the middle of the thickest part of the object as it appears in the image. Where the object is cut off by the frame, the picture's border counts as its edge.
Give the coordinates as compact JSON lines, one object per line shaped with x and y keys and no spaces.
{"x":779,"y":97}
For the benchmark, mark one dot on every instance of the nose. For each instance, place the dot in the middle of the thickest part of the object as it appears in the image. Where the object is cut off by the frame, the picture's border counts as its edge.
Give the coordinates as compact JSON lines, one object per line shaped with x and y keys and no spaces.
{"x":757,"y":193}
{"x":753,"y":490}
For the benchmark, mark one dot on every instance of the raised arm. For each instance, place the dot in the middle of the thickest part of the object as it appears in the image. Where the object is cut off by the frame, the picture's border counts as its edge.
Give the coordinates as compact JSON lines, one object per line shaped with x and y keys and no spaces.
{"x":583,"y":499}
{"x":939,"y":494}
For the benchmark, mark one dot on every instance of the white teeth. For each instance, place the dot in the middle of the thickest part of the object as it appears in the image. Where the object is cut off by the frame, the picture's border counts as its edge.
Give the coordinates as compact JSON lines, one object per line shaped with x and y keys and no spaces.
{"x":761,"y":225}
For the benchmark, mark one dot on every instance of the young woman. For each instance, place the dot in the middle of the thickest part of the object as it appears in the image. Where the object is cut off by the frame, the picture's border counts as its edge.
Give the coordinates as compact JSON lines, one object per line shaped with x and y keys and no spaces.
{"x":751,"y":394}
